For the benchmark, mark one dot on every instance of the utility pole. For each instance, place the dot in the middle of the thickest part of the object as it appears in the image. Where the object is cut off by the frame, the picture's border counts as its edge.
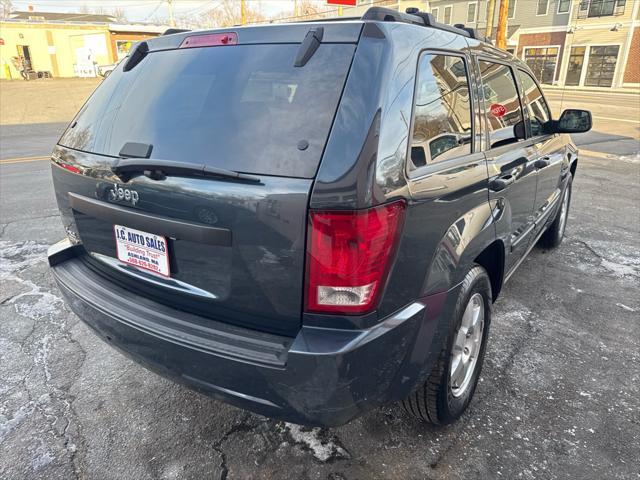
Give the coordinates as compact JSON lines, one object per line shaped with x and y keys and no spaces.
{"x":491,"y":11}
{"x":172,"y":21}
{"x":501,"y":33}
{"x":243,"y":12}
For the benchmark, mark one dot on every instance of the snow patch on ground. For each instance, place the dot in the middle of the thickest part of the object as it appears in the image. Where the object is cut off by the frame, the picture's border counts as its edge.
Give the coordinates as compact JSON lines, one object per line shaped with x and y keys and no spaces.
{"x":322,"y":449}
{"x":516,"y":314}
{"x":17,"y":256}
{"x":619,"y":259}
{"x":624,"y":307}
{"x":42,"y":459}
{"x":41,"y":355}
{"x":7,"y":425}
{"x":635,"y":158}
{"x":619,"y":269}
{"x":13,"y":259}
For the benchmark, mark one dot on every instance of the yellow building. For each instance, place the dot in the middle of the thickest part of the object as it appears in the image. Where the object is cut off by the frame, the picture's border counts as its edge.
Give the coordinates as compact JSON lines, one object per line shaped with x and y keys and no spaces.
{"x":73,"y":46}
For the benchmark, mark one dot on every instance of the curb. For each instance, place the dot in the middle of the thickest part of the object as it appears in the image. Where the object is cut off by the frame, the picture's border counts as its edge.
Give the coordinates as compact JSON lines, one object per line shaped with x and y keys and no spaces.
{"x":610,"y":91}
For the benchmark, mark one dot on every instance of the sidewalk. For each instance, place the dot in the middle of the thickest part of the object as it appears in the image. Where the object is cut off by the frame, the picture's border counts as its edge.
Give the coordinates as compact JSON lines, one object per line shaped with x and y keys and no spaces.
{"x":605,"y":90}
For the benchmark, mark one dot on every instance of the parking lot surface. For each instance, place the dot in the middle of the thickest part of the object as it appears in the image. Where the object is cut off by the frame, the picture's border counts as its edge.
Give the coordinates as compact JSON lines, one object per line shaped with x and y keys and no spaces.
{"x":559,"y":395}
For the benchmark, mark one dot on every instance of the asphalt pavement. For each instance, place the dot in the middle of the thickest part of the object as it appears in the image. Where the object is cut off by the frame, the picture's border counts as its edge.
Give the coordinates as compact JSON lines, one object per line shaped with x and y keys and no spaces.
{"x":559,"y":395}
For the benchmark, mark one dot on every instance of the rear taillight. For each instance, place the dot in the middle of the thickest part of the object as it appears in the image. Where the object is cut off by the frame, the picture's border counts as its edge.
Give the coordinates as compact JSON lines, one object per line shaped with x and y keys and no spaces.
{"x":210,"y":40}
{"x":349,"y":254}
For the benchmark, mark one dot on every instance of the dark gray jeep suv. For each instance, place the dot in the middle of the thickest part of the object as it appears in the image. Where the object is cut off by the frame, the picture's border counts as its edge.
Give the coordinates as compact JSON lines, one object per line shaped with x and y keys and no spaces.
{"x":310,"y":220}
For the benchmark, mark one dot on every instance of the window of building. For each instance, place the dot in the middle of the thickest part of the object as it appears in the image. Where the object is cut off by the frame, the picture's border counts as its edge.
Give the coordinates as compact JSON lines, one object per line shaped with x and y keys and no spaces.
{"x":122,"y":48}
{"x":600,"y":8}
{"x":434,"y":12}
{"x":601,"y":65}
{"x":502,"y":104}
{"x":574,"y":69}
{"x":538,"y":112}
{"x":447,"y":15}
{"x":542,"y":61}
{"x":512,"y":9}
{"x":564,"y":6}
{"x":472,"y":11}
{"x":442,"y":111}
{"x":543,"y":7}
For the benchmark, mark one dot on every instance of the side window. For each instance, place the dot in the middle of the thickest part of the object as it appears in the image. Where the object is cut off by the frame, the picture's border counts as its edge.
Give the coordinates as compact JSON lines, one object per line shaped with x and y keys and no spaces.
{"x":537,"y":108}
{"x":442,"y":110}
{"x":504,"y":115}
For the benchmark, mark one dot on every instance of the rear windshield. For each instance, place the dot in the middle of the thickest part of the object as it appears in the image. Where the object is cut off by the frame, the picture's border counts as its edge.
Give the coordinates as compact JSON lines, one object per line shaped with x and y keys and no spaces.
{"x":244,"y":108}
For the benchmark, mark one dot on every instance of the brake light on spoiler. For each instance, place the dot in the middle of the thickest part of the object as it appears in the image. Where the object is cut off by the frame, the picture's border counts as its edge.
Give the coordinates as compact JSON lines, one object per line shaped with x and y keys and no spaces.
{"x":349,"y":255}
{"x":210,"y":40}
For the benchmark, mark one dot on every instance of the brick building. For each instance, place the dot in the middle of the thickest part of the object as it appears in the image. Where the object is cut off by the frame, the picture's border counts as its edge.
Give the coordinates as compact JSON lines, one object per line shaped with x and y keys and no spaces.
{"x":577,"y":43}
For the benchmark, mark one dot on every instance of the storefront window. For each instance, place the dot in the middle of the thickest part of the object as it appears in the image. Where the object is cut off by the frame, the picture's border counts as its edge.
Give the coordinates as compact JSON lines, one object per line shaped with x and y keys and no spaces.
{"x":576,"y":60}
{"x":602,"y":66}
{"x":542,"y":61}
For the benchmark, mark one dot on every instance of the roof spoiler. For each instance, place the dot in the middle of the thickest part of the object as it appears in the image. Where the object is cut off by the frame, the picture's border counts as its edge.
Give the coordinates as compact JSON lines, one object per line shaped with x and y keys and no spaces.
{"x":171,"y":31}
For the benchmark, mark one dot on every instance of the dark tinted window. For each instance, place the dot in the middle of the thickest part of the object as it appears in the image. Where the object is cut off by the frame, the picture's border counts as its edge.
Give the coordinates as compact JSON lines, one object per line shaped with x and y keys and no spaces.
{"x":564,"y":6}
{"x":537,"y":108}
{"x":543,"y":7}
{"x":442,"y":112}
{"x":244,"y":108}
{"x":502,"y":103}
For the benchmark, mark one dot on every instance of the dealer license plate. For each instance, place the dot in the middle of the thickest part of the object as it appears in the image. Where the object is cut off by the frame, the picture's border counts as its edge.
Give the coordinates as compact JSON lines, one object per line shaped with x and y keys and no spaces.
{"x":142,"y":249}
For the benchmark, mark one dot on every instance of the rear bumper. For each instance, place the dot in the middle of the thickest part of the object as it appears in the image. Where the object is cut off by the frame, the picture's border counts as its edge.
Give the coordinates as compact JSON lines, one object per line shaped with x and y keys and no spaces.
{"x":321,"y":377}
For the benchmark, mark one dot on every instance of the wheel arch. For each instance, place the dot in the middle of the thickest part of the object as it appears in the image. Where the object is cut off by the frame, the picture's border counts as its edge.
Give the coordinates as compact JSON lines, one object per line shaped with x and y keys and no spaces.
{"x":573,"y":167}
{"x":492,"y":260}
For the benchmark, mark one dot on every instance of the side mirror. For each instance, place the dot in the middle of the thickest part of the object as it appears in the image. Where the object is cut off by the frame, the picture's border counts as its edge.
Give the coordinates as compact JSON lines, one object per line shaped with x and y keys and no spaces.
{"x":573,"y":121}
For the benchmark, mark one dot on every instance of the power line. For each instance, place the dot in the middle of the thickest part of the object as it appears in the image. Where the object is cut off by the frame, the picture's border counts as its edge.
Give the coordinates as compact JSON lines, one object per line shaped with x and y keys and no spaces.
{"x":153,"y":12}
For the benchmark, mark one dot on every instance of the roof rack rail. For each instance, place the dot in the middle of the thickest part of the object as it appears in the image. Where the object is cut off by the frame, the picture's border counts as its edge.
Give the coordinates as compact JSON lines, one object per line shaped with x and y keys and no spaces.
{"x":430,"y":21}
{"x":387,"y":15}
{"x":329,"y":19}
{"x":473,"y":33}
{"x":412,"y":16}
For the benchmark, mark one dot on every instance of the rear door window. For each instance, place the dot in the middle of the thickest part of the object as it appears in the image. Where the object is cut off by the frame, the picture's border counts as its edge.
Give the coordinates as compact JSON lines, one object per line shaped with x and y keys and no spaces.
{"x":502,"y":104}
{"x":244,"y":108}
{"x":442,"y":110}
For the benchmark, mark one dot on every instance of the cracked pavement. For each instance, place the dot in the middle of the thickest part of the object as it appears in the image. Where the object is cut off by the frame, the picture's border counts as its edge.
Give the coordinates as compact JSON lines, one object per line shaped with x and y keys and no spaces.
{"x":559,"y":395}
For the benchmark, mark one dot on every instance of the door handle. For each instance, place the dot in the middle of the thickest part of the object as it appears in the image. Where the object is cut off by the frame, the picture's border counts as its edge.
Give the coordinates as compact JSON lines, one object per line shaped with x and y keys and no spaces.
{"x":542,"y":162}
{"x":501,"y":183}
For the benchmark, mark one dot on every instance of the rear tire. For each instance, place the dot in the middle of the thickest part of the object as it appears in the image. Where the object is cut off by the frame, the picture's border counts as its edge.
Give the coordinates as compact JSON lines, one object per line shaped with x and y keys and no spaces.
{"x":554,"y":234}
{"x":446,"y":394}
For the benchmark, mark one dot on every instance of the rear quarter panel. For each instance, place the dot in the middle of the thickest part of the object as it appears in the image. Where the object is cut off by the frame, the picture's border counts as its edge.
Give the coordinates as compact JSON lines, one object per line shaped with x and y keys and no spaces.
{"x":448,"y":219}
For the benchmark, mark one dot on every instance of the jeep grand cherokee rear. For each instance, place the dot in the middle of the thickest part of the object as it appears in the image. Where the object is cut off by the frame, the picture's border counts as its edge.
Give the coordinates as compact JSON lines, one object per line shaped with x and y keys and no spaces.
{"x":262,"y":213}
{"x":184,"y":184}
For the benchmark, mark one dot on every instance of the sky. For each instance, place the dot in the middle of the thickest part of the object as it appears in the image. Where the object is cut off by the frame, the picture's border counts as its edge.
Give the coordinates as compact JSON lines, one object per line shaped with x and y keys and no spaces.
{"x":145,"y":10}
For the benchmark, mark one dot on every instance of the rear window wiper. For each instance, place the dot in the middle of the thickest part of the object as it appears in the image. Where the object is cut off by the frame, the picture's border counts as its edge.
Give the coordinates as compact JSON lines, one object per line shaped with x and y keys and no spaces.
{"x":125,"y":168}
{"x":308,"y":47}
